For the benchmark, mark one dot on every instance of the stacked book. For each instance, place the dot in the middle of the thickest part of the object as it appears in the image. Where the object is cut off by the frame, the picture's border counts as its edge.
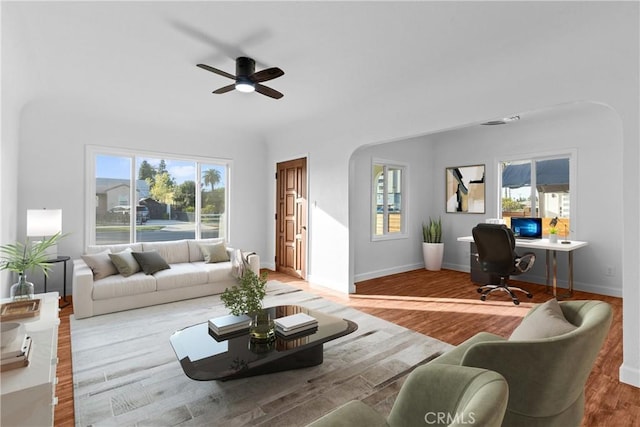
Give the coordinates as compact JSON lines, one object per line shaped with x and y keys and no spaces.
{"x":17,"y":354}
{"x":229,"y":324}
{"x":295,"y":324}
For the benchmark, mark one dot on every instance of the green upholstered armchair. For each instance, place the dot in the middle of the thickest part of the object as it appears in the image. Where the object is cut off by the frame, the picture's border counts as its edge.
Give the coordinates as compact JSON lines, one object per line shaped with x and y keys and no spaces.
{"x":546,"y":376}
{"x":436,"y":395}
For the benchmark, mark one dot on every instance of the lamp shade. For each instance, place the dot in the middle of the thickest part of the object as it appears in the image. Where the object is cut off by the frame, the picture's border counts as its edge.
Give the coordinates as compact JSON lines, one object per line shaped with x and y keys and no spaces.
{"x":44,"y":222}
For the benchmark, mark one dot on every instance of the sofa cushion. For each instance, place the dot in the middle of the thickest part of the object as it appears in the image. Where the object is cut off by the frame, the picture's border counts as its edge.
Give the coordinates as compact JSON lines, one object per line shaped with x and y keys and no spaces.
{"x":150,"y":261}
{"x":545,"y":321}
{"x":173,"y":252}
{"x":195,"y":253}
{"x":214,"y":252}
{"x":125,"y":262}
{"x":100,"y":264}
{"x":116,"y":286}
{"x":181,"y":275}
{"x":219,"y":271}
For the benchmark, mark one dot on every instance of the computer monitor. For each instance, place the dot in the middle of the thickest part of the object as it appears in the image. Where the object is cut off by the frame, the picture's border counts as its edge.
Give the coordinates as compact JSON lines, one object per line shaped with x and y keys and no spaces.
{"x":526,"y":228}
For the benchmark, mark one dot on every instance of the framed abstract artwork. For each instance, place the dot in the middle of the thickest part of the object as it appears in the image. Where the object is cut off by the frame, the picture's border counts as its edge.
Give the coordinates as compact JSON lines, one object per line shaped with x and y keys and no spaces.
{"x":465,"y":189}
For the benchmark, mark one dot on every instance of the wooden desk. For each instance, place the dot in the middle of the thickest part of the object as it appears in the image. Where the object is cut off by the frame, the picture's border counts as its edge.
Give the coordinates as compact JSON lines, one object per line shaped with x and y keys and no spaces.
{"x":551,"y":249}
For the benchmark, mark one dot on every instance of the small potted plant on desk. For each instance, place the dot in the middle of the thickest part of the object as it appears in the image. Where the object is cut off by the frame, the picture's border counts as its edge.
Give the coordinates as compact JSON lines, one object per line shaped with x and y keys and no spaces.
{"x":432,"y":246}
{"x":22,"y":257}
{"x":553,"y":230}
{"x":246,"y":298}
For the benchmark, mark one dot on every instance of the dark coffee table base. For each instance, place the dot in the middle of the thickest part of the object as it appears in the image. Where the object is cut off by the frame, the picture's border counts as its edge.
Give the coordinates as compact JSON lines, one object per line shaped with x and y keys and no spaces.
{"x":301,"y":359}
{"x":205,"y":356}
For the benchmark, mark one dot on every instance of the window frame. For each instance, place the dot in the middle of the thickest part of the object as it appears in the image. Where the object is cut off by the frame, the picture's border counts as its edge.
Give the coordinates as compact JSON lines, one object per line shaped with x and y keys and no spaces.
{"x":404,"y":202}
{"x":91,"y":153}
{"x":571,"y":154}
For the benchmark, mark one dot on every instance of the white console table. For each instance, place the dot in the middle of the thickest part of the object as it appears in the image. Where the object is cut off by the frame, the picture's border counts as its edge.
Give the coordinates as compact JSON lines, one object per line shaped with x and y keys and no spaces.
{"x":552,"y":266}
{"x":28,"y":394}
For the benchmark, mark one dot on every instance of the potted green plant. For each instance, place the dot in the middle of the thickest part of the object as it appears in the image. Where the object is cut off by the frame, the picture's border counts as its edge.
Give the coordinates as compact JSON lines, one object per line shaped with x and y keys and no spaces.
{"x":553,"y":235}
{"x":432,"y":246}
{"x":246,"y":298}
{"x":22,"y":257}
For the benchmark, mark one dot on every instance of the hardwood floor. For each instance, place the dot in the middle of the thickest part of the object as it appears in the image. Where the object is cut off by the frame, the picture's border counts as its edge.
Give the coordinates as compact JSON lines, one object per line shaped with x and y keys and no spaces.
{"x":446,"y":306}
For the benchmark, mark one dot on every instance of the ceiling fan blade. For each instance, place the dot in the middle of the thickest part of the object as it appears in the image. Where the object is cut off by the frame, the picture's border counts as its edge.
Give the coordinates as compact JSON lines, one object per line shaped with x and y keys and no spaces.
{"x":215,"y":70}
{"x":225,"y":89}
{"x":268,"y":91}
{"x":265,"y":75}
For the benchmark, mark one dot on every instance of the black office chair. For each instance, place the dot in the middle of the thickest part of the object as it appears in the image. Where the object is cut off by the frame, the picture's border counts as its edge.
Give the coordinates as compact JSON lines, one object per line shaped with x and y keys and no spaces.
{"x":496,"y":255}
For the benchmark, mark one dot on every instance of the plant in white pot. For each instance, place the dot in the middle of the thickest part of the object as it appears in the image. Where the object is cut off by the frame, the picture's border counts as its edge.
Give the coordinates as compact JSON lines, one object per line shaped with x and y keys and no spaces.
{"x":432,"y":246}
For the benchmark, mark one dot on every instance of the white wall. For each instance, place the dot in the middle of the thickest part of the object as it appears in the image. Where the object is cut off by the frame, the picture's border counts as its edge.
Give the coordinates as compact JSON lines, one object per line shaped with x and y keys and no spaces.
{"x":596,"y":59}
{"x":51,"y":169}
{"x":579,"y":128}
{"x":383,"y":257}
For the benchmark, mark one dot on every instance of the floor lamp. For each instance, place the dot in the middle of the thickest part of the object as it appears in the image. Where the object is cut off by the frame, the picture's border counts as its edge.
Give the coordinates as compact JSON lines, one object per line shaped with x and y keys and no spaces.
{"x":43,"y":223}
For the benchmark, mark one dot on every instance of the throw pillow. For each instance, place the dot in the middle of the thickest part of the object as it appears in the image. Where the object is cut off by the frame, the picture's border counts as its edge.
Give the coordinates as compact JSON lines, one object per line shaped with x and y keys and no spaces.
{"x":150,"y":261}
{"x":100,"y":264}
{"x":125,"y":262}
{"x":214,"y":252}
{"x":545,"y":322}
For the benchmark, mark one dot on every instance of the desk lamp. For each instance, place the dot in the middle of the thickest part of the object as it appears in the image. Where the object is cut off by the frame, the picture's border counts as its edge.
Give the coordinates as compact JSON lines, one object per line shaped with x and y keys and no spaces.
{"x":566,"y":234}
{"x":43,"y":223}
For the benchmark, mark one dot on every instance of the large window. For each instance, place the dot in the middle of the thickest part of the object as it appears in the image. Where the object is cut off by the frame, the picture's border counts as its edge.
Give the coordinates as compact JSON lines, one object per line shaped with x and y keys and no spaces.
{"x":538,"y":187}
{"x":388,"y":207}
{"x":135,"y":197}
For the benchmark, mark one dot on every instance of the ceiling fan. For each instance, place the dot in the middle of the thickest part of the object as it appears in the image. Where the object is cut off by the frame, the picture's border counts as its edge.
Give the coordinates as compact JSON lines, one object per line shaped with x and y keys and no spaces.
{"x":247,"y":80}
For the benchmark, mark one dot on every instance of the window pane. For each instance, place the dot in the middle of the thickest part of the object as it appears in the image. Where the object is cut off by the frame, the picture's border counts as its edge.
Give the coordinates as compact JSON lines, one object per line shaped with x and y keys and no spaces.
{"x":394,"y":200}
{"x":169,"y":199}
{"x":552,"y":184}
{"x":551,"y":192}
{"x":378,"y":190}
{"x":165,"y":202}
{"x":213,"y":200}
{"x":388,"y":216}
{"x":516,"y":189}
{"x":112,"y":199}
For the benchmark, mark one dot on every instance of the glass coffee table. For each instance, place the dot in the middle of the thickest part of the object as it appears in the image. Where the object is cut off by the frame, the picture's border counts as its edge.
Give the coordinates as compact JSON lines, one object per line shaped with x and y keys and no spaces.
{"x":205,"y":356}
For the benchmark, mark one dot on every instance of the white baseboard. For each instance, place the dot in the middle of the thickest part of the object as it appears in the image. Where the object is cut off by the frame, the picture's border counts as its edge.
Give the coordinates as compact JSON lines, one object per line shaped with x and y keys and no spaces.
{"x":268,"y":265}
{"x":540,"y":280}
{"x":630,"y":375}
{"x":386,"y":272}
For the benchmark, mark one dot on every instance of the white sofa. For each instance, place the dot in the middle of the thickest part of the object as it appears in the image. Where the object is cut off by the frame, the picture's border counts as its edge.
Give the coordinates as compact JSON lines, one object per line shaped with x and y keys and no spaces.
{"x":188,"y":277}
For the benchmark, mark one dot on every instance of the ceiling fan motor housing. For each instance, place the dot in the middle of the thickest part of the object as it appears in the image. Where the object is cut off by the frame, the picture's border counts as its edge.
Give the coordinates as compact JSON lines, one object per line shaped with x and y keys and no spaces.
{"x":245,"y":66}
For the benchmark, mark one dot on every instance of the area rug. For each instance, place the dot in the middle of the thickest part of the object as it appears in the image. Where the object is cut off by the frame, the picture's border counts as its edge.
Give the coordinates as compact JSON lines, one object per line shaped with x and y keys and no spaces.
{"x":125,"y":372}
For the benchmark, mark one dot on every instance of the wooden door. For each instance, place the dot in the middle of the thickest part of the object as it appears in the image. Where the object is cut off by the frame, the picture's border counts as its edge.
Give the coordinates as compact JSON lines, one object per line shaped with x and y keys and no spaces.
{"x":291,"y":217}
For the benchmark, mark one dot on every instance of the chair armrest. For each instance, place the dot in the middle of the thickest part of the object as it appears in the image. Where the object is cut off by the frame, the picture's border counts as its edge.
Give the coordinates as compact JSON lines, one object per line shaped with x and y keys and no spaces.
{"x":351,"y":414}
{"x":456,"y":355}
{"x":82,"y":288}
{"x":555,"y":375}
{"x":525,"y":262}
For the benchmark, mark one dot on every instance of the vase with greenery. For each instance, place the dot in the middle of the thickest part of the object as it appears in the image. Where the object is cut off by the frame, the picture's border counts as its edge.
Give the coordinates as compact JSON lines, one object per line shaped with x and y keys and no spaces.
{"x":432,"y":246}
{"x":553,"y":235}
{"x":23,"y":257}
{"x":246,"y":298}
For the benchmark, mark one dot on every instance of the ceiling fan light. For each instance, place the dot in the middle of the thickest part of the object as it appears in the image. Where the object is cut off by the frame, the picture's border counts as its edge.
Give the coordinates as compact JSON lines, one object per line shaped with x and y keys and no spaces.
{"x":245,"y":86}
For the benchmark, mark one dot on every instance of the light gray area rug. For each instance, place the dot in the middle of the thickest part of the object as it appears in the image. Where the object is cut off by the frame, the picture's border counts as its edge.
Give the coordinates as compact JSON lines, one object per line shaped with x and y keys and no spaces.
{"x":125,"y":372}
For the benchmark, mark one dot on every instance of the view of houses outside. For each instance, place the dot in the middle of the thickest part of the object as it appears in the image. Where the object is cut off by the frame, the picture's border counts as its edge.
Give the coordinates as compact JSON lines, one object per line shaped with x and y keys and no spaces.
{"x":166,"y":205}
{"x":551,"y":197}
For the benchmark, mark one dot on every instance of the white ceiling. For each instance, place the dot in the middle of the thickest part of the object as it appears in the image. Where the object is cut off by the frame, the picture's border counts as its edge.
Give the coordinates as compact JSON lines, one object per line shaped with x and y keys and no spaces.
{"x":139,"y":59}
